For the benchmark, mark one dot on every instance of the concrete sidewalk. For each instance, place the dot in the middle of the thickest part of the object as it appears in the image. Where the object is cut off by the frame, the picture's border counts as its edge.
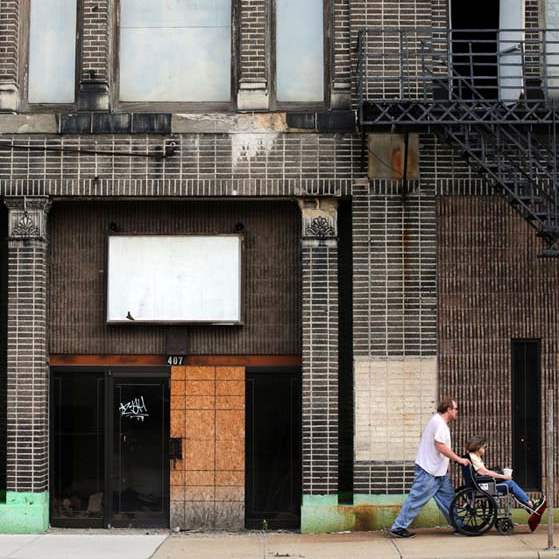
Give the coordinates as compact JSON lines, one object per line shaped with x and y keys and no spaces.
{"x":136,"y":544}
{"x":428,"y":544}
{"x":84,"y":544}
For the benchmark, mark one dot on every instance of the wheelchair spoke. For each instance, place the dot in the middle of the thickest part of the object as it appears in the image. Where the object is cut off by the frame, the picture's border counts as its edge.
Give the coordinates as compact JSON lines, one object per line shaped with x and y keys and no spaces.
{"x":473,"y":512}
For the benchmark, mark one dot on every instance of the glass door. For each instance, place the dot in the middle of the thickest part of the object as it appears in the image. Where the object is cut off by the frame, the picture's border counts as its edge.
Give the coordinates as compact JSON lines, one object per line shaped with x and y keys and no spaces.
{"x":109,"y":453}
{"x":77,"y":455}
{"x":139,"y":452}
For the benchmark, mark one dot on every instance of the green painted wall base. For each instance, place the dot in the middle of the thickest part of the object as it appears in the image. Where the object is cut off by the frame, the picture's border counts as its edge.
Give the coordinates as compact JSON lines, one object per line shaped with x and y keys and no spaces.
{"x":24,"y":513}
{"x":322,"y":513}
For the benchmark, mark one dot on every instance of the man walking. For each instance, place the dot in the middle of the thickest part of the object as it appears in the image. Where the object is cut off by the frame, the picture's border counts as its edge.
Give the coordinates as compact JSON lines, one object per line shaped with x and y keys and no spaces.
{"x":431,"y":466}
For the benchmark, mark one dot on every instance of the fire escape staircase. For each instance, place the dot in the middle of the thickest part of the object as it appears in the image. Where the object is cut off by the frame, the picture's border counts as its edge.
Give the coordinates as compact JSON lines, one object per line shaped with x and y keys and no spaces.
{"x":512,"y":145}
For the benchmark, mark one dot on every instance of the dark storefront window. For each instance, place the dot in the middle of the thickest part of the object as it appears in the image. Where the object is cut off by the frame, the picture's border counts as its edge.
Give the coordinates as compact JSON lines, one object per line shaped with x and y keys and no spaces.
{"x":109,"y":463}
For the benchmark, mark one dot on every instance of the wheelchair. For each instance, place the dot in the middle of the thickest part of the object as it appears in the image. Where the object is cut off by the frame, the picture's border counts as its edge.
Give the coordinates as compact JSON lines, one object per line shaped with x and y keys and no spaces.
{"x":479,"y":505}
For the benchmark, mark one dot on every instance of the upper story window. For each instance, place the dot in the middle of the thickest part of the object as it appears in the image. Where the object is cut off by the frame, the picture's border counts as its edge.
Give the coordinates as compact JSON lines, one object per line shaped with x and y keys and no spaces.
{"x":52,"y":51}
{"x":300,"y":51}
{"x":175,"y":50}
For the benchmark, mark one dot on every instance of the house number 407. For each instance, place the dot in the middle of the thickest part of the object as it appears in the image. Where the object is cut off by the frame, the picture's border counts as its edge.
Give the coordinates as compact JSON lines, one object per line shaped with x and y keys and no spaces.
{"x":175,"y":360}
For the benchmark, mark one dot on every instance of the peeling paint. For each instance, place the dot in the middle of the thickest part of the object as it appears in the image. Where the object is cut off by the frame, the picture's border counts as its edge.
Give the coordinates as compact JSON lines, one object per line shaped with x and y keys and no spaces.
{"x":245,"y":147}
{"x":257,"y":123}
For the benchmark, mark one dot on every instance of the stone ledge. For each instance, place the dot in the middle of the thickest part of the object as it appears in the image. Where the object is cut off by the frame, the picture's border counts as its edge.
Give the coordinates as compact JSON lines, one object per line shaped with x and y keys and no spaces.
{"x":28,"y":124}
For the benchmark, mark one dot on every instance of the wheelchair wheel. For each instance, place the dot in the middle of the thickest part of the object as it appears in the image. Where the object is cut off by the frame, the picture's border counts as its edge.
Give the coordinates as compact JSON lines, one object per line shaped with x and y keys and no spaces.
{"x":473,"y":513}
{"x":504,"y":526}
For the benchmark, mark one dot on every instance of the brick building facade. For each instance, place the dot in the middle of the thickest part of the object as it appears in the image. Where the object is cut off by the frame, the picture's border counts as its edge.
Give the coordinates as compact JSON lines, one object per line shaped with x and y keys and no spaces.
{"x":380,"y":270}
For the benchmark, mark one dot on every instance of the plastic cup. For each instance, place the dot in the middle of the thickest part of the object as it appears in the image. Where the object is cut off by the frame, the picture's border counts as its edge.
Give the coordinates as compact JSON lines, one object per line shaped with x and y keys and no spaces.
{"x":507,"y":472}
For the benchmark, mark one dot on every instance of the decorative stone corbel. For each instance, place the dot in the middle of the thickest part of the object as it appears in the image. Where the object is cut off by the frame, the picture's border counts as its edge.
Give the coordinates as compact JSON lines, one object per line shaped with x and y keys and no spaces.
{"x":319,"y":218}
{"x":27,"y":217}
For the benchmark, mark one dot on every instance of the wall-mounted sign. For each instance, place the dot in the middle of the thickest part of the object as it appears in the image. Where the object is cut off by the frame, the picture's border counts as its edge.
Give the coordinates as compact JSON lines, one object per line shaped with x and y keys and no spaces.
{"x":174,"y":279}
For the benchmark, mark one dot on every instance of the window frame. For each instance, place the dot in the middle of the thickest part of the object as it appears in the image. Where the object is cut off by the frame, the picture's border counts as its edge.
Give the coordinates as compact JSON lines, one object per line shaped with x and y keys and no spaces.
{"x":23,"y":71}
{"x":172,"y":106}
{"x":277,"y":105}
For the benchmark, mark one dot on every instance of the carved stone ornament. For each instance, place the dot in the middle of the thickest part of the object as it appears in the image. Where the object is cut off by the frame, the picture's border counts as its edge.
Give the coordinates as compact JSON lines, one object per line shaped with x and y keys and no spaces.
{"x":26,"y":227}
{"x":27,"y":217}
{"x":319,"y":218}
{"x":320,"y":228}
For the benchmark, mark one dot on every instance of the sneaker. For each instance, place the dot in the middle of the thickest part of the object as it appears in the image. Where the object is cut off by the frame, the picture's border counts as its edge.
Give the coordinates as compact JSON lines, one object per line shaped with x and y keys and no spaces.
{"x":401,"y":533}
{"x":534,"y":521}
{"x":540,"y":506}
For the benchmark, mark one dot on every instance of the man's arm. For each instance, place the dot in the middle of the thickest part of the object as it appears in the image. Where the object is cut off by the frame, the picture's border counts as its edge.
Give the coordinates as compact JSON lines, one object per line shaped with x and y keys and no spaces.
{"x":446,"y":451}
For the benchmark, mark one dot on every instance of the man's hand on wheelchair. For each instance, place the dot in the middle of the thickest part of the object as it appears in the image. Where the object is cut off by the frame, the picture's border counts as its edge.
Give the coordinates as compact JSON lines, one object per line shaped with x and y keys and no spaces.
{"x":463,"y":461}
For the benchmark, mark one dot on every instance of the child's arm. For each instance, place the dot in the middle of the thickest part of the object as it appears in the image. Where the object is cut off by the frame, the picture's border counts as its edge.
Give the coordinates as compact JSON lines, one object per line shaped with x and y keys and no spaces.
{"x":483,"y":471}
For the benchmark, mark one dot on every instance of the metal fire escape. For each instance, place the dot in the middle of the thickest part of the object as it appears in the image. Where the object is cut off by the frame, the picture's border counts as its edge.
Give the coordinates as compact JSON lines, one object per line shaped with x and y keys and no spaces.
{"x":491,"y":95}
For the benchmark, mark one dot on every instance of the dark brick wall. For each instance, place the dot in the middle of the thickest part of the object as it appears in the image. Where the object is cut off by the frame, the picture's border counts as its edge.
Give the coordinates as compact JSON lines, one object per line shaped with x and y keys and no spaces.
{"x":320,"y":366}
{"x":205,"y":165}
{"x":95,"y":48}
{"x":394,"y":244}
{"x":271,"y":276}
{"x":341,"y":41}
{"x":253,"y":40}
{"x":9,"y":35}
{"x":27,"y":448}
{"x":3,"y":338}
{"x":383,"y":477}
{"x":492,"y":288}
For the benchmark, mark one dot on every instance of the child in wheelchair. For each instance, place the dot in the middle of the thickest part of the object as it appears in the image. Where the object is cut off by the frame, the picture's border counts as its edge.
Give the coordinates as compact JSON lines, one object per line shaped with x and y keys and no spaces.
{"x":504,"y":483}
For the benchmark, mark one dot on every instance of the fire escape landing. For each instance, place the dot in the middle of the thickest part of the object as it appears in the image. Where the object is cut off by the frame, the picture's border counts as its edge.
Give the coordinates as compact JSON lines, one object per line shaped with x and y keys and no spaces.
{"x":493,"y":95}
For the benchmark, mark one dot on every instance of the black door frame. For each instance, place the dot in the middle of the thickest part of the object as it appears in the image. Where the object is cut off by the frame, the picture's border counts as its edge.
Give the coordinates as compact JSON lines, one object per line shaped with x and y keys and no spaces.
{"x":267,"y":371}
{"x":109,"y":374}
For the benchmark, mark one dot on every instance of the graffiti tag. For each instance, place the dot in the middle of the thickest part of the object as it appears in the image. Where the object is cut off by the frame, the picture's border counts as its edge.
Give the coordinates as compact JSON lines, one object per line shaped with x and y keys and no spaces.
{"x":134,"y":409}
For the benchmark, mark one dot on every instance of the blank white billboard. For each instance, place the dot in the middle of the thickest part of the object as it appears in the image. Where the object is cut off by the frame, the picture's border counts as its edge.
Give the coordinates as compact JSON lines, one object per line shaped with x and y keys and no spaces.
{"x":160,"y":278}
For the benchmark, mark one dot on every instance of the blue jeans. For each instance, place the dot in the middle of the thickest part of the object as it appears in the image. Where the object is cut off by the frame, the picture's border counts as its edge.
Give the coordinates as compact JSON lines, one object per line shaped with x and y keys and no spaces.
{"x":515,"y":489}
{"x":425,"y":487}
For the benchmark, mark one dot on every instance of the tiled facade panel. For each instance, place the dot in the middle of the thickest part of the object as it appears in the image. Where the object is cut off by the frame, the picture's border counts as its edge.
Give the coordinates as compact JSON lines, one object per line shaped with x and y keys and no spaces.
{"x":253,"y":41}
{"x":205,"y":165}
{"x":9,"y":36}
{"x":95,"y":37}
{"x":401,"y":391}
{"x":208,"y":414}
{"x":271,"y":276}
{"x":492,"y":288}
{"x":320,"y":367}
{"x":27,"y":417}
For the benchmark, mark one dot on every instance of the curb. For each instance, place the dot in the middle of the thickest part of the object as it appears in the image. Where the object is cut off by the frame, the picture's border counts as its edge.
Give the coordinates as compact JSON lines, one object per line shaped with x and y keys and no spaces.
{"x":525,"y":554}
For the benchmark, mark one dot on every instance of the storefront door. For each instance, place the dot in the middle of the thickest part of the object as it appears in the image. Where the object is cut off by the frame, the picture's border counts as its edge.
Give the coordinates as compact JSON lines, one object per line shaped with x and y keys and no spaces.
{"x":273,"y":444}
{"x":109,"y":437}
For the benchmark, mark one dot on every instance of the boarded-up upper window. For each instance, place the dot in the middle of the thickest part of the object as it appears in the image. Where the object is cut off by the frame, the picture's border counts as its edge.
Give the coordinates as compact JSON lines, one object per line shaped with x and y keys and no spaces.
{"x":300,"y":50}
{"x":52,"y":51}
{"x":175,"y":50}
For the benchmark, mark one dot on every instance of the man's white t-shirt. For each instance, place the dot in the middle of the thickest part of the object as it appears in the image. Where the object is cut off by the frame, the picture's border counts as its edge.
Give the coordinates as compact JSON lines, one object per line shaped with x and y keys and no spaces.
{"x":428,"y":457}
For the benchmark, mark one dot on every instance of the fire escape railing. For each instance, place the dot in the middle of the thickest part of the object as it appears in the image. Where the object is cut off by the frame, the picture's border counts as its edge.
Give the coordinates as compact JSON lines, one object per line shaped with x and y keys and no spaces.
{"x":514,"y":71}
{"x":492,"y":95}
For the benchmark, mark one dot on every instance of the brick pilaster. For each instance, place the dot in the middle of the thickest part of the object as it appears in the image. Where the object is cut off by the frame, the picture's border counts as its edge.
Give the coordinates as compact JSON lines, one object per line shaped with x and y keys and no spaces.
{"x":9,"y":37}
{"x":341,"y":55}
{"x":253,"y":55}
{"x":320,"y":346}
{"x":95,"y":55}
{"x":27,"y":372}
